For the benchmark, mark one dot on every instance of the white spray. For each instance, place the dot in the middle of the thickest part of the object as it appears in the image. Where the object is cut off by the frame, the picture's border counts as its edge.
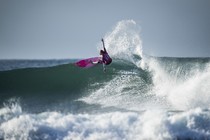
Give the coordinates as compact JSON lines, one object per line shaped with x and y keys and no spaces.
{"x":124,"y":41}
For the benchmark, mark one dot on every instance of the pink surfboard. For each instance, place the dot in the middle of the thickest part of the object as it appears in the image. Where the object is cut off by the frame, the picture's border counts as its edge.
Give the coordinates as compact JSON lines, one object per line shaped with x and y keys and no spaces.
{"x":87,"y":63}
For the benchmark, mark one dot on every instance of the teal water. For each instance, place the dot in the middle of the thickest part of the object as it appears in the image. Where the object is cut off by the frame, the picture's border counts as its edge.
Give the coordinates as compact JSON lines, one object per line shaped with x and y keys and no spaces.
{"x":62,"y":101}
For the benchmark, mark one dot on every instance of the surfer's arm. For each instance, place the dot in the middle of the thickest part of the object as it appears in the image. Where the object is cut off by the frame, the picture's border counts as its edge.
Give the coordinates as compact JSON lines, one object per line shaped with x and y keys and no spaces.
{"x":103,"y":44}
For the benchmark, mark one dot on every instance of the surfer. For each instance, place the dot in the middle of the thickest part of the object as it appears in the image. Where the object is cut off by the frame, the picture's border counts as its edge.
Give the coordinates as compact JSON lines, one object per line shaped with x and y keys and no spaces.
{"x":106,"y":59}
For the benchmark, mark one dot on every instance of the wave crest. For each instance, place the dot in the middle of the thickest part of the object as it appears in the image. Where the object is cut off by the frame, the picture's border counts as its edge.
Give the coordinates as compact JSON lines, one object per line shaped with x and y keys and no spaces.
{"x":124,"y":41}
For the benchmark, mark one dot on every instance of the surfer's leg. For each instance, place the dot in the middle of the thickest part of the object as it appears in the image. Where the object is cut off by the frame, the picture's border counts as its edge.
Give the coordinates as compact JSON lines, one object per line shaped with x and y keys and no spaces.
{"x":104,"y":68}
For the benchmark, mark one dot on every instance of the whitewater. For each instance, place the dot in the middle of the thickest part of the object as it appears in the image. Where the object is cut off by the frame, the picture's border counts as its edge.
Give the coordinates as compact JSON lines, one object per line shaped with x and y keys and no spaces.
{"x":140,"y":97}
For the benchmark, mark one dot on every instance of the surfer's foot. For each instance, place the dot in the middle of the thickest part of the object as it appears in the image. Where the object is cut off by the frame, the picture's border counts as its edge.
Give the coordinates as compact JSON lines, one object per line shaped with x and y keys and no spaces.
{"x":93,"y":62}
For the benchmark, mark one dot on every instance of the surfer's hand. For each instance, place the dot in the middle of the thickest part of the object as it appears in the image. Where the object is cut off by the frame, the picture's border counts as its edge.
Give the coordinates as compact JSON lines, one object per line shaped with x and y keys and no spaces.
{"x":102,"y":40}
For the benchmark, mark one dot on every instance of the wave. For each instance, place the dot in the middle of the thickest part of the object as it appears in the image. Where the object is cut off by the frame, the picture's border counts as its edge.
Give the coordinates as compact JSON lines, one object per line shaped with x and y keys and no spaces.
{"x":138,"y":81}
{"x":66,"y":77}
{"x":149,"y":124}
{"x":182,"y":82}
{"x":171,"y":83}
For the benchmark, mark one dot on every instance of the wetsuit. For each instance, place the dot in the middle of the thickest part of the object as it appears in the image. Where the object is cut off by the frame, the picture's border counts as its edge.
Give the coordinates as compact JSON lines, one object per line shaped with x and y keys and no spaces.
{"x":106,"y":58}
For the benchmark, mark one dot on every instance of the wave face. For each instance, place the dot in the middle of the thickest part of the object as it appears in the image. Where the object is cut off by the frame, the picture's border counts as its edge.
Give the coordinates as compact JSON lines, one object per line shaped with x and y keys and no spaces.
{"x":139,"y":97}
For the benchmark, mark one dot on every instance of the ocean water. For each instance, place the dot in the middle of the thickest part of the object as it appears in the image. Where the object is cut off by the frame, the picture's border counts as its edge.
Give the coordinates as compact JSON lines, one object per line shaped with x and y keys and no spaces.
{"x":140,"y":97}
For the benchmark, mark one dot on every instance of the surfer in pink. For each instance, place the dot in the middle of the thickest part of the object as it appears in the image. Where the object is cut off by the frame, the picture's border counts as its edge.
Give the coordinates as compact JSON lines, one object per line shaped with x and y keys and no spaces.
{"x":106,"y":59}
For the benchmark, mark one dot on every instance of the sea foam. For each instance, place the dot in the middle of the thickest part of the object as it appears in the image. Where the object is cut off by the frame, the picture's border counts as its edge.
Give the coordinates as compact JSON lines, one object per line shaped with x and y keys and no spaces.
{"x":150,"y":124}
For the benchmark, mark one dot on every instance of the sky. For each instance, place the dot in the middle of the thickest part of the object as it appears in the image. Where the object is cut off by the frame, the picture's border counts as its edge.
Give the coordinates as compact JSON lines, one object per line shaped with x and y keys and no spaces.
{"x":56,"y":29}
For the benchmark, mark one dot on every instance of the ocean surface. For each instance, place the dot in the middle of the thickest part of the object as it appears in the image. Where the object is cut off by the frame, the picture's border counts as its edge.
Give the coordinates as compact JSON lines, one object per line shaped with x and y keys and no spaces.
{"x":139,"y":97}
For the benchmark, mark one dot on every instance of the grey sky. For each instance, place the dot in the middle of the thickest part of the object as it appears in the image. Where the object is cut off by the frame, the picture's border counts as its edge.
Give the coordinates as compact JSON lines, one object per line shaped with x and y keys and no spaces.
{"x":43,"y":29}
